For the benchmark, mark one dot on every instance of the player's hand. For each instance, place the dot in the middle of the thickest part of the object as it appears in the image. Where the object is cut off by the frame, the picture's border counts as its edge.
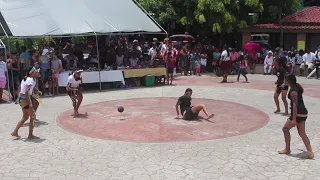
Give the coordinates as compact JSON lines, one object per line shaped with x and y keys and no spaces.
{"x":40,"y":93}
{"x":294,"y":122}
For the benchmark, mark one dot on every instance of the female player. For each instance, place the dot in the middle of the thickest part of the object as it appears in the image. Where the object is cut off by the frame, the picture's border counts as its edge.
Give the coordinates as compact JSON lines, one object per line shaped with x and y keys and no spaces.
{"x":299,"y":115}
{"x":27,"y":102}
{"x":74,"y":90}
{"x":281,"y":88}
{"x":189,"y":112}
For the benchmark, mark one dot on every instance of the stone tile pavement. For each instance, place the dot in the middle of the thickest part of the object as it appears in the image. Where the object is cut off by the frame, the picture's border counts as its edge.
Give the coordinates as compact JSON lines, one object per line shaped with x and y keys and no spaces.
{"x":60,"y":154}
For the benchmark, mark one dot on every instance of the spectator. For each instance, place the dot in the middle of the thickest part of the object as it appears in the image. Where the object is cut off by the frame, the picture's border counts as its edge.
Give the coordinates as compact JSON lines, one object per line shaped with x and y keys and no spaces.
{"x":203,"y":61}
{"x":216,"y":59}
{"x":182,"y":61}
{"x":119,"y":57}
{"x":134,"y":59}
{"x":169,"y":57}
{"x":164,"y":46}
{"x":291,"y":62}
{"x":136,"y":47}
{"x":152,"y":52}
{"x":234,"y":60}
{"x":45,"y":72}
{"x":56,"y":68}
{"x":24,"y":56}
{"x":225,"y":63}
{"x":3,"y":76}
{"x":14,"y":73}
{"x":72,"y":61}
{"x":268,"y":62}
{"x":253,"y":58}
{"x":308,"y":61}
{"x":317,"y":63}
{"x":210,"y":51}
{"x":192,"y":60}
{"x":299,"y":57}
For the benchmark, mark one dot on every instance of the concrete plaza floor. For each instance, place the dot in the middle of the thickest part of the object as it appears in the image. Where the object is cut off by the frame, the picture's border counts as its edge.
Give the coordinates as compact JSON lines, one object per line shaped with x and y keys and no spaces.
{"x":104,"y":144}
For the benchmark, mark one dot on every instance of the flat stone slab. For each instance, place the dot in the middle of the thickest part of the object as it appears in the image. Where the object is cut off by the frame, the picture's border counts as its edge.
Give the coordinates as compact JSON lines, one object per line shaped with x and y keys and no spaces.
{"x":154,"y":120}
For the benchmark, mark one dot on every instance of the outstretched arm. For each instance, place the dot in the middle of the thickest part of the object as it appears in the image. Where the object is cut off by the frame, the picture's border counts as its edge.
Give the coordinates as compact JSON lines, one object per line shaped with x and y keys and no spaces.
{"x":177,"y":108}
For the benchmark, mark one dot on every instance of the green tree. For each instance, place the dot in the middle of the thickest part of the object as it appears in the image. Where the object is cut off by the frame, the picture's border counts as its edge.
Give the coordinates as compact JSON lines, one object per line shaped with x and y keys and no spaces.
{"x":274,"y":9}
{"x":218,"y":16}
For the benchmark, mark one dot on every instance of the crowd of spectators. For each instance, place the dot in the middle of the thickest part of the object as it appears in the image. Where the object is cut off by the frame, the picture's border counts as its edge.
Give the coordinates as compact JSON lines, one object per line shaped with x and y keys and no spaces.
{"x":187,"y":58}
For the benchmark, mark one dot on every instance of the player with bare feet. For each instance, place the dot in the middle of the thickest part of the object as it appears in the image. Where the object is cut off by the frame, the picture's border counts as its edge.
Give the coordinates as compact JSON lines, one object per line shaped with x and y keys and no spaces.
{"x":189,"y":112}
{"x":299,"y":115}
{"x":26,"y":102}
{"x":281,"y":88}
{"x":74,"y":90}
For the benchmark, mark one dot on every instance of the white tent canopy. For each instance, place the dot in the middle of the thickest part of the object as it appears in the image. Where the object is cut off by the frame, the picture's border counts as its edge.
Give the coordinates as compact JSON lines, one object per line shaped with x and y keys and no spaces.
{"x":29,"y":18}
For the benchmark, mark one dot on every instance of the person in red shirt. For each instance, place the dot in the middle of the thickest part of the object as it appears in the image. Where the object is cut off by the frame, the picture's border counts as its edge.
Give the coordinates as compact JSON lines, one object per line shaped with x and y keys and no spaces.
{"x":169,"y":57}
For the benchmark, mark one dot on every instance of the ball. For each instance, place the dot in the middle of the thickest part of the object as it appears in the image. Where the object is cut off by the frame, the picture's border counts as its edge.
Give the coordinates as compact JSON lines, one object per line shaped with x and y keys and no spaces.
{"x":120,"y":109}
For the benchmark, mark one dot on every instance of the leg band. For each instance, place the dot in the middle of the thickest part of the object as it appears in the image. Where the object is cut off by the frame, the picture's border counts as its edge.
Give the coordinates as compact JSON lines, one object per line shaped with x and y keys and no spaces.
{"x":285,"y":130}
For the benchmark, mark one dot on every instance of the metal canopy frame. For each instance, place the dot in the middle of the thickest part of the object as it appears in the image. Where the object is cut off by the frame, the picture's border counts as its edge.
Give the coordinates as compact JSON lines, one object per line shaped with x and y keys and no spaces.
{"x":96,"y":34}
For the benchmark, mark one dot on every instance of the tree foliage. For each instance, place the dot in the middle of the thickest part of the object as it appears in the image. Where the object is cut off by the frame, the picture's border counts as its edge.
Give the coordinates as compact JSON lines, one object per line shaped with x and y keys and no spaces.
{"x":219,"y":15}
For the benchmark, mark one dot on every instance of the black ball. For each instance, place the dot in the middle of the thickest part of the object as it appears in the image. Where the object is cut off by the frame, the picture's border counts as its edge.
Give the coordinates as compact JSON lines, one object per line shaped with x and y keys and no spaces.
{"x":120,"y":109}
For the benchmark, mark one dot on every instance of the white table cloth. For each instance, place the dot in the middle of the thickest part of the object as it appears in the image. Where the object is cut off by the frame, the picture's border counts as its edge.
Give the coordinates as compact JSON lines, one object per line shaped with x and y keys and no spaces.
{"x":93,"y":77}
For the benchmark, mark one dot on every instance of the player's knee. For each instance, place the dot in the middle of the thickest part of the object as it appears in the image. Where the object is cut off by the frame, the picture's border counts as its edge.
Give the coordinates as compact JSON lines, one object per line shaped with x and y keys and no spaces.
{"x":284,"y":99}
{"x":285,"y":130}
{"x":25,"y":118}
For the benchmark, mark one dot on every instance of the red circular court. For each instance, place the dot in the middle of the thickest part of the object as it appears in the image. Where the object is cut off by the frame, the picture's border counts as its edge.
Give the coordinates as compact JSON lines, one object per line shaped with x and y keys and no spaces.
{"x":153,"y":120}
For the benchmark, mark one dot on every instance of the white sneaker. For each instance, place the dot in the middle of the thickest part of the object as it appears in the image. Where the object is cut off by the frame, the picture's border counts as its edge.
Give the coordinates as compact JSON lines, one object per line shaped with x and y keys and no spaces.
{"x":50,"y":95}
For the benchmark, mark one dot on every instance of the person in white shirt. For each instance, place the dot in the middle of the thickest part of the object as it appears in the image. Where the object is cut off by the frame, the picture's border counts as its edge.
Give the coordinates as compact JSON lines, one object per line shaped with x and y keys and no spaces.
{"x":134,"y":60}
{"x":26,"y":101}
{"x":152,"y":52}
{"x":308,"y":61}
{"x":3,"y":76}
{"x":317,"y":62}
{"x":164,"y":46}
{"x":268,"y":61}
{"x":74,"y":89}
{"x":225,"y":63}
{"x":119,"y":58}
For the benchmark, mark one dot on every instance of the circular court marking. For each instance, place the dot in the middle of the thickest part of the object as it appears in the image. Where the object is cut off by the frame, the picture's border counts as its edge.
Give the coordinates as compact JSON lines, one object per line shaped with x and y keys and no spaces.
{"x":153,"y":120}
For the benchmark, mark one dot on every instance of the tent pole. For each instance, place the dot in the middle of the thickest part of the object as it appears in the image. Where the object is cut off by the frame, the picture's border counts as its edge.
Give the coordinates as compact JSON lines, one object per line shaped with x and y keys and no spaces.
{"x":98,"y":56}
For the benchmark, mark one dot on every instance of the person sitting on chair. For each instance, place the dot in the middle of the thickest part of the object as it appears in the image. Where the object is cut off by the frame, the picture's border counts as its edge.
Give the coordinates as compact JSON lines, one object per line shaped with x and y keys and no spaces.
{"x":308,"y":61}
{"x":189,"y":112}
{"x":268,"y":62}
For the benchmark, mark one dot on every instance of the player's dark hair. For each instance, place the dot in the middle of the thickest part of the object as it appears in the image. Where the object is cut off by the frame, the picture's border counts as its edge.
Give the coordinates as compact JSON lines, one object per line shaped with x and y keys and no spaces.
{"x":28,"y":72}
{"x":188,"y":90}
{"x":291,"y":78}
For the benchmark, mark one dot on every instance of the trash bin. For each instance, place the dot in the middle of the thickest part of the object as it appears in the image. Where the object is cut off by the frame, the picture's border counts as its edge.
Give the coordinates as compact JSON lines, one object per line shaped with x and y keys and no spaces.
{"x":149,"y":80}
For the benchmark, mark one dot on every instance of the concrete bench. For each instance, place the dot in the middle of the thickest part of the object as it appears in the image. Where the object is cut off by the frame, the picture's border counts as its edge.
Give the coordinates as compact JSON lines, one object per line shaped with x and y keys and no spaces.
{"x":259,"y":70}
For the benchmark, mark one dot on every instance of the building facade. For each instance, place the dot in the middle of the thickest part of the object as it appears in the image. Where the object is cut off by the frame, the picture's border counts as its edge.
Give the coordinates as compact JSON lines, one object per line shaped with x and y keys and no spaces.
{"x":301,"y":30}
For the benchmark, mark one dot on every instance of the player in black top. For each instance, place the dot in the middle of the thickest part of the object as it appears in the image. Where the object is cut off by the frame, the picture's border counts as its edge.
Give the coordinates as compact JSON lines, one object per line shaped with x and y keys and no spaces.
{"x":299,"y":114}
{"x":281,"y":88}
{"x":187,"y":111}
